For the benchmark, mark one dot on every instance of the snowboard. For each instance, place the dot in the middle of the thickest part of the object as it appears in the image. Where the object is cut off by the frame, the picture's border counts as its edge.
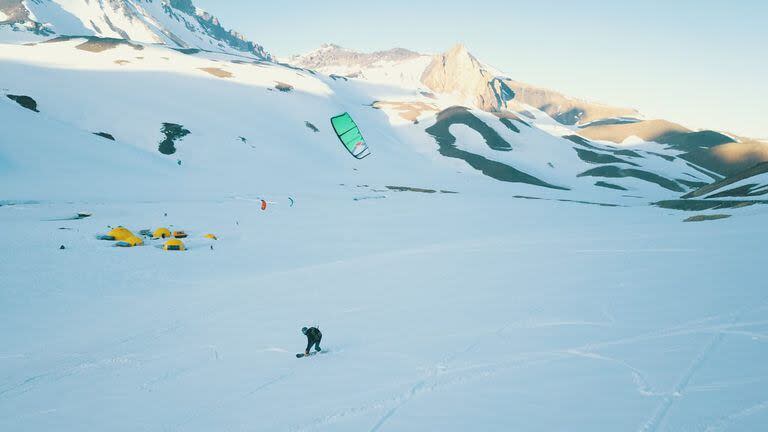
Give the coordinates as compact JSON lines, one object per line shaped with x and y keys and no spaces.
{"x":311,"y":353}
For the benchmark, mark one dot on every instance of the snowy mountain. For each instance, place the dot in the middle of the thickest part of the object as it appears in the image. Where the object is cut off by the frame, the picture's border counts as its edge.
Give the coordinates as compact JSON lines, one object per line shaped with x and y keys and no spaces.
{"x":751,"y":183}
{"x":412,"y":109}
{"x":155,"y":86}
{"x":458,"y":72}
{"x":176,"y":23}
{"x":475,"y":84}
{"x":330,"y":58}
{"x":507,"y":257}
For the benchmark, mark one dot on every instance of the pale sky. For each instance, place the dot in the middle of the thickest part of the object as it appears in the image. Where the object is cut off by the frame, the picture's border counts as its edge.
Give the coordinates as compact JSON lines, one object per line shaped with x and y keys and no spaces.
{"x":701,"y":63}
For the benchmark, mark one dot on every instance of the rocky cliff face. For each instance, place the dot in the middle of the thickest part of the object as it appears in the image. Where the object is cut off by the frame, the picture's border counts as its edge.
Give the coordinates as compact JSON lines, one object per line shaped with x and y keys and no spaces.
{"x":458,"y":72}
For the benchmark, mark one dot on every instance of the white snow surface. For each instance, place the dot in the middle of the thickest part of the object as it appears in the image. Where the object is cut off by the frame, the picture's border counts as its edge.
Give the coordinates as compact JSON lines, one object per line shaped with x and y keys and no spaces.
{"x":447,"y":312}
{"x":476,"y":310}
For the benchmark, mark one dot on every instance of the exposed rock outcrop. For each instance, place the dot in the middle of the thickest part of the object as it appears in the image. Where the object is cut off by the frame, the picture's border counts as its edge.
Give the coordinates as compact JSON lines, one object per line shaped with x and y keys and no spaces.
{"x":459,"y":72}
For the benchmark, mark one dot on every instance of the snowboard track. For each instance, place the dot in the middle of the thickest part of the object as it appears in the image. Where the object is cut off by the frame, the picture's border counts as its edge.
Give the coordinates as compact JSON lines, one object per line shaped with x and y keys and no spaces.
{"x":677,"y":392}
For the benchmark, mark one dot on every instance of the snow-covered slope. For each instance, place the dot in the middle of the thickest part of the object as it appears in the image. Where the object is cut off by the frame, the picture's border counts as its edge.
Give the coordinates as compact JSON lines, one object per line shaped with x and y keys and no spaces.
{"x":450,"y":312}
{"x":177,"y":23}
{"x":749,"y":184}
{"x":330,"y":58}
{"x":458,"y":75}
{"x":397,"y":66}
{"x":132,"y":91}
{"x":483,"y":269}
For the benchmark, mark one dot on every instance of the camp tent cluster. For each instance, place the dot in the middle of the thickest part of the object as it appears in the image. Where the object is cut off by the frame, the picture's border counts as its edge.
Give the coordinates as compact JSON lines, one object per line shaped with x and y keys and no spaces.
{"x":349,"y":135}
{"x":123,"y":237}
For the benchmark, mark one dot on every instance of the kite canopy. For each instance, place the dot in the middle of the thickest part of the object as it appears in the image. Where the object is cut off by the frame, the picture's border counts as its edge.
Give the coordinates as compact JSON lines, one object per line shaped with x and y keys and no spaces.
{"x":349,"y":134}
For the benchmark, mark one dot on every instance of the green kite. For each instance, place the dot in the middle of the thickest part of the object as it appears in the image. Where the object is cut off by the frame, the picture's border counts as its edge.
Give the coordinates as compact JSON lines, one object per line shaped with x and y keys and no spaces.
{"x":350,"y":136}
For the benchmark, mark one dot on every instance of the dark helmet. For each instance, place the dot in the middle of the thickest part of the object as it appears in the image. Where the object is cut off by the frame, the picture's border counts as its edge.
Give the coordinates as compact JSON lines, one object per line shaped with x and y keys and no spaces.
{"x":304,"y":330}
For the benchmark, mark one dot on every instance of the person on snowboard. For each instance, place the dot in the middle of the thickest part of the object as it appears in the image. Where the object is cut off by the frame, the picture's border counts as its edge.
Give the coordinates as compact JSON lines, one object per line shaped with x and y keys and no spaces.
{"x":313,"y":338}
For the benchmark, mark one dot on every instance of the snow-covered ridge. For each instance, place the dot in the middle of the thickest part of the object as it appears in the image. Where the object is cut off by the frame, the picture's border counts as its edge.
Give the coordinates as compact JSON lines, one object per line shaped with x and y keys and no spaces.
{"x":459,"y":77}
{"x":331,"y":58}
{"x":459,"y":73}
{"x":177,"y":23}
{"x":240,"y":114}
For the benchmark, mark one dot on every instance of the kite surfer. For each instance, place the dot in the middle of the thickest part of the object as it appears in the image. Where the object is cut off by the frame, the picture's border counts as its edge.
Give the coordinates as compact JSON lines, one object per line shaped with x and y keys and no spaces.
{"x":314,"y":336}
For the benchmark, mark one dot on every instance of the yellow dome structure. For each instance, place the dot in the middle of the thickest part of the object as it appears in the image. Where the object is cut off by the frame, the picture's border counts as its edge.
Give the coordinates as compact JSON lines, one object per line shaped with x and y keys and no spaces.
{"x":161,"y":233}
{"x":119,"y":234}
{"x":132,"y":241}
{"x":211,"y":236}
{"x":174,"y":245}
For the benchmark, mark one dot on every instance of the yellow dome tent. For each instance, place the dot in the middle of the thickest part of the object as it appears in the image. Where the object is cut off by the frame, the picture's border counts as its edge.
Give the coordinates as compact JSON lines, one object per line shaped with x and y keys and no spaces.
{"x":132,"y":241}
{"x":211,"y":236}
{"x":174,"y":245}
{"x":119,"y":234}
{"x":161,"y":233}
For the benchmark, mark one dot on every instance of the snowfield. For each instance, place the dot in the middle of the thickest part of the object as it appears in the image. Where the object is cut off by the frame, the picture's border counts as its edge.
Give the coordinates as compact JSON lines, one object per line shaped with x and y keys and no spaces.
{"x":453,"y":290}
{"x":439,"y":312}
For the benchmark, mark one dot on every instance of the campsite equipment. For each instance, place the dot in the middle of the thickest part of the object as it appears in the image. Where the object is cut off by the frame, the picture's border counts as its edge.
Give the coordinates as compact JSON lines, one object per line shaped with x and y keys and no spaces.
{"x":161,"y":233}
{"x":132,"y":241}
{"x":174,"y":245}
{"x":119,"y":233}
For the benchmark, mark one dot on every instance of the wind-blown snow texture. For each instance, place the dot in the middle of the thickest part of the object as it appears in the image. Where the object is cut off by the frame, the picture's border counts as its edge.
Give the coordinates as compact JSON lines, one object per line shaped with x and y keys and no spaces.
{"x":449,"y":299}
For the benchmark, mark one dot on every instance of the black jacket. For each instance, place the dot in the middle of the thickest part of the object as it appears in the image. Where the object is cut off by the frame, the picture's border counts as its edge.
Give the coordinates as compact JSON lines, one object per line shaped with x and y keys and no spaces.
{"x":313,"y":337}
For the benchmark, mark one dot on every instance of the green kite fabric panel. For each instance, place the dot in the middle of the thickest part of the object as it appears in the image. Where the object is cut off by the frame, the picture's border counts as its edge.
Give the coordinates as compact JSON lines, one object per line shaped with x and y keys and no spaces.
{"x":349,"y":135}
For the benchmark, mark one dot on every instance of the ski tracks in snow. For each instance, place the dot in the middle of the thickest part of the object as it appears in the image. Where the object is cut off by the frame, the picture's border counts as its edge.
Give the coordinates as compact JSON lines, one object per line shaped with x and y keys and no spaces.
{"x":638,"y":376}
{"x":726,"y":422}
{"x":427,"y":383}
{"x":437,"y":376}
{"x":228,"y":402}
{"x":91,"y":360}
{"x":431,"y":372}
{"x":411,"y":393}
{"x":662,"y":410}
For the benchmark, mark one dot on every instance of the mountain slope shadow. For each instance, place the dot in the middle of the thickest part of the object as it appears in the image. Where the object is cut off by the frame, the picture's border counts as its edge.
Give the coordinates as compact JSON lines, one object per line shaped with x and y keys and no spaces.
{"x":447,"y":147}
{"x":611,"y":171}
